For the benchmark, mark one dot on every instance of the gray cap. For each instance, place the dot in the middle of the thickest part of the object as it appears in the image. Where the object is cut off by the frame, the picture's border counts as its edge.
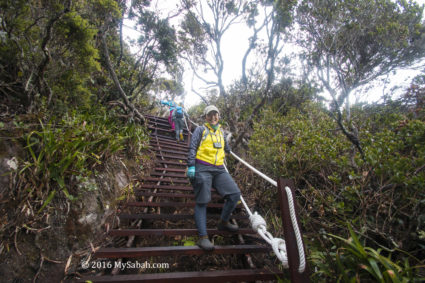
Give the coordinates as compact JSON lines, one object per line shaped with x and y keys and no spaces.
{"x":210,"y":108}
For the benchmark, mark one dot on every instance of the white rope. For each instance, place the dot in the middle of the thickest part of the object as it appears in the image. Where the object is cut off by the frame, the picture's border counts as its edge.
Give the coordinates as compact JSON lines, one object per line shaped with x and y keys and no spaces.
{"x":264,"y":176}
{"x":301,"y":267}
{"x":278,"y":245}
{"x":260,"y":226}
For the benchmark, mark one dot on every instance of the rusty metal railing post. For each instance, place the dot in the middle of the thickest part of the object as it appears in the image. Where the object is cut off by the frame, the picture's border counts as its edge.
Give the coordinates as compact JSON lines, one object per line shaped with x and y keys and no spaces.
{"x":288,"y":230}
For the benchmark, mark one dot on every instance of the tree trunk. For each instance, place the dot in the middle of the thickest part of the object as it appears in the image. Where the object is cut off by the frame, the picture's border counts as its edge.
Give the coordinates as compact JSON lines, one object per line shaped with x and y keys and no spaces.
{"x":116,"y":81}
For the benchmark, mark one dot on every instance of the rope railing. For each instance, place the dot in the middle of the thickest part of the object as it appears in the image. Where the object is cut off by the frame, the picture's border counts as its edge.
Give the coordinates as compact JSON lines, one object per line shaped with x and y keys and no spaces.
{"x":260,"y":226}
{"x":262,"y":175}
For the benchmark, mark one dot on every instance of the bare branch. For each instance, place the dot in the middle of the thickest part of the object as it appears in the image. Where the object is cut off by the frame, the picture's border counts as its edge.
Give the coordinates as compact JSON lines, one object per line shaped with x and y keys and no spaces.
{"x":196,"y":92}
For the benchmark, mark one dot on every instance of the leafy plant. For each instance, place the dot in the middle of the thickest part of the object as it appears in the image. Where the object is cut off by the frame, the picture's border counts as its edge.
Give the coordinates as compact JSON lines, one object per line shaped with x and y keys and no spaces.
{"x":357,"y":262}
{"x":74,"y":146}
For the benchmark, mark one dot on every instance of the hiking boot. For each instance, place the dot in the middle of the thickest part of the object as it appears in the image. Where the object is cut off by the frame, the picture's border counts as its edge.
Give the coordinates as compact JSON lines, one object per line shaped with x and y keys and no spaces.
{"x":181,"y":137}
{"x":205,"y":244}
{"x":226,"y":226}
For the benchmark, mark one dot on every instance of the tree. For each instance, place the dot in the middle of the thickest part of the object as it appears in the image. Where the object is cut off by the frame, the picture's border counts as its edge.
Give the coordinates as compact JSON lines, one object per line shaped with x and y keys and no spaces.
{"x":204,"y":35}
{"x":351,"y":43}
{"x":203,"y":28}
{"x":47,"y":52}
{"x":156,"y":52}
{"x":276,"y":22}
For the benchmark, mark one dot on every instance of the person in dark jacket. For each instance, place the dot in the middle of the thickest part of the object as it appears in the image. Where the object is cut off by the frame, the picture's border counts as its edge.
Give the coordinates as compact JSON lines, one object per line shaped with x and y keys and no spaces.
{"x":205,"y":170}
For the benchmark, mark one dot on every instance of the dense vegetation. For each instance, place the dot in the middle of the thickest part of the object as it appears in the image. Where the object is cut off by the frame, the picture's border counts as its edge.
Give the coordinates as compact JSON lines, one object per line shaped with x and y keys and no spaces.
{"x":73,"y":99}
{"x":380,"y":195}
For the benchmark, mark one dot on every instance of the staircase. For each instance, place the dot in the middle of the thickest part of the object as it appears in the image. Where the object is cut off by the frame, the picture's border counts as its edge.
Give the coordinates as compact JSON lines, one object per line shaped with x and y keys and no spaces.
{"x":155,"y":241}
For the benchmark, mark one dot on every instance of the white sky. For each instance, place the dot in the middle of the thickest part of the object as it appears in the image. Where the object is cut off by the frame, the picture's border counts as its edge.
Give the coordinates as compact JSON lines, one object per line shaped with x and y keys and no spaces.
{"x":234,"y":45}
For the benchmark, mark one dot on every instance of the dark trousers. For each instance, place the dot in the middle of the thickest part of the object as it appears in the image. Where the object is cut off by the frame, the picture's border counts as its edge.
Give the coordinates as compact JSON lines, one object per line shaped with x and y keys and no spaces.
{"x":218,"y":178}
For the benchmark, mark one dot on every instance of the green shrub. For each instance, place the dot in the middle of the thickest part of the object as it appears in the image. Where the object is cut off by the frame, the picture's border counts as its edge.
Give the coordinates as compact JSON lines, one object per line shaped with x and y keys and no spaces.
{"x":381,"y":195}
{"x":74,"y":146}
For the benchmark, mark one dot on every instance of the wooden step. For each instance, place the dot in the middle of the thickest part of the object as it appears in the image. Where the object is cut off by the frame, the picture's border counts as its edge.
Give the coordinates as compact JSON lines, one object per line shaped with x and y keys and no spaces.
{"x":166,"y":187}
{"x":164,"y":129}
{"x":165,"y":175}
{"x":181,"y":157}
{"x":176,"y":216}
{"x":169,"y":146}
{"x":170,"y":169}
{"x":162,"y":125}
{"x":160,"y":122}
{"x":185,"y":153}
{"x":165,"y":153}
{"x":232,"y":275}
{"x":177,"y":250}
{"x":173,"y":143}
{"x":171,"y":195}
{"x":167,"y":140}
{"x":174,"y":232}
{"x":171,"y":204}
{"x":165,"y":180}
{"x":177,"y":163}
{"x":152,"y":117}
{"x":169,"y":143}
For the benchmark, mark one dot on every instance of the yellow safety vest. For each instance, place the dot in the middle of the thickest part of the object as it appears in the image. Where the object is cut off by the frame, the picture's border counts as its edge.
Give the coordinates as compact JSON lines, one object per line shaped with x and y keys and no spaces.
{"x":206,"y":150}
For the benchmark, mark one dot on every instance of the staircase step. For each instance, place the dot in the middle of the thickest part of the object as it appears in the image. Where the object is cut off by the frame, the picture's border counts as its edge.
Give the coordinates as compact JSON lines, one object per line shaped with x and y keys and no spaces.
{"x":171,"y":151}
{"x":180,"y":157}
{"x":165,"y":187}
{"x":170,"y":144}
{"x":155,"y":173}
{"x":174,"y":232}
{"x":168,"y":138}
{"x":177,"y":250}
{"x":172,"y":204}
{"x":232,"y":275}
{"x":172,"y":195}
{"x":175,"y":216}
{"x":170,"y":169}
{"x":172,"y":163}
{"x":165,"y":180}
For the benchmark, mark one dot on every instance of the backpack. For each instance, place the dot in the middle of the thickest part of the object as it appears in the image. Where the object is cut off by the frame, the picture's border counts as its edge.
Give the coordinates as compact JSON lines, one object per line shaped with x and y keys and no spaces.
{"x":179,"y":112}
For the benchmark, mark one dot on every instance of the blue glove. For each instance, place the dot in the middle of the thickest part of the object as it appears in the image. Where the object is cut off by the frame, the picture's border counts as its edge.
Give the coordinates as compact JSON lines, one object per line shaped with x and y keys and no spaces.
{"x":191,"y":172}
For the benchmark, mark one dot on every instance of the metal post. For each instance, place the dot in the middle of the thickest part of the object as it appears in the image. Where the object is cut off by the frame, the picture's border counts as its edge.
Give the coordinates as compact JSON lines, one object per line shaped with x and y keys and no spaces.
{"x":288,"y":230}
